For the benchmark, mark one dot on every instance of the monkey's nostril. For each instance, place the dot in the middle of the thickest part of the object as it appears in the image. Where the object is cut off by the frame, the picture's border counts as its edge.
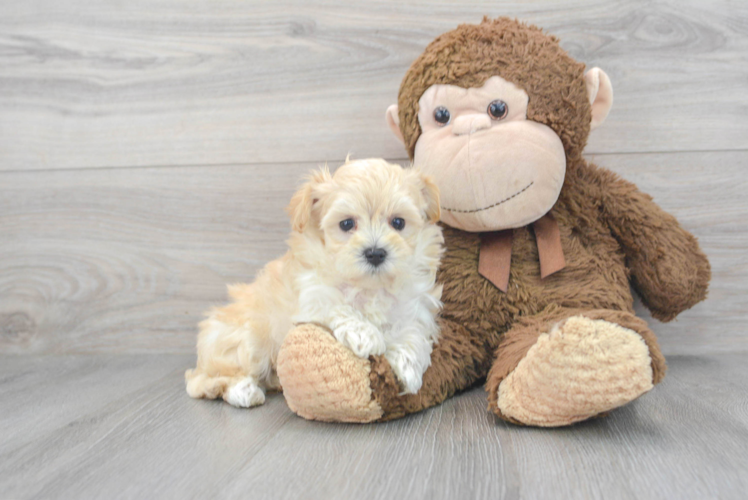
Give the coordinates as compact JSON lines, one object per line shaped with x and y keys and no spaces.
{"x":469,"y":124}
{"x":479,"y":123}
{"x":375,"y":256}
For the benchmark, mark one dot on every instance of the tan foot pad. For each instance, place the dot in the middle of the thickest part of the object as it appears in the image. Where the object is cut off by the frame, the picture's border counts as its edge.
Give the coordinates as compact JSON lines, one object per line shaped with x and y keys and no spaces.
{"x":584,"y":367}
{"x":322,"y":380}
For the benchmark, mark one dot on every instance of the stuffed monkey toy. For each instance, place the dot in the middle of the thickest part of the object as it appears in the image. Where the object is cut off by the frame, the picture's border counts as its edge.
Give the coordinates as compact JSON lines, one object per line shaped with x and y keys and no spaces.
{"x":542,"y":247}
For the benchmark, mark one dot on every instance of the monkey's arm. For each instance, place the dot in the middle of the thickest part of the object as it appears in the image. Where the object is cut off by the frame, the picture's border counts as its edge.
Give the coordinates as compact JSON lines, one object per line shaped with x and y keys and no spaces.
{"x":322,"y":380}
{"x":668,"y":268}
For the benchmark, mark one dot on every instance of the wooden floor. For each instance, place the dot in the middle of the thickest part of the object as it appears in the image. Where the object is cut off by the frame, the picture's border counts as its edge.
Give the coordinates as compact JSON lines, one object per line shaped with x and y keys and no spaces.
{"x":147,"y":149}
{"x":120,"y":426}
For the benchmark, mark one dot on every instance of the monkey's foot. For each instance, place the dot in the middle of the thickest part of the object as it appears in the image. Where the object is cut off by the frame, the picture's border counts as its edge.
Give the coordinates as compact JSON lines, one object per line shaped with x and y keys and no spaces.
{"x":582,"y":368}
{"x":323,"y":380}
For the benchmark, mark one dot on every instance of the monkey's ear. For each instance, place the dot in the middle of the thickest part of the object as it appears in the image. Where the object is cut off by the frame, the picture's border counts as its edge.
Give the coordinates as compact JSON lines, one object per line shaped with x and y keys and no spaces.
{"x":301,"y":207}
{"x":393,"y":120}
{"x":600,"y":93}
{"x":431,"y":194}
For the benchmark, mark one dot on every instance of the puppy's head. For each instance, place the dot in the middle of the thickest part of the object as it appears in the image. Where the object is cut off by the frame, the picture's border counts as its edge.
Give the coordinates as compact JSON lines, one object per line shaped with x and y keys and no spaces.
{"x":375,"y":221}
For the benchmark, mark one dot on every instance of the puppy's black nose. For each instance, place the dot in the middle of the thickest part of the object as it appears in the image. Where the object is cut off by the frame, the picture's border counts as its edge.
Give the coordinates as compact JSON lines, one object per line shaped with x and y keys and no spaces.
{"x":375,"y":256}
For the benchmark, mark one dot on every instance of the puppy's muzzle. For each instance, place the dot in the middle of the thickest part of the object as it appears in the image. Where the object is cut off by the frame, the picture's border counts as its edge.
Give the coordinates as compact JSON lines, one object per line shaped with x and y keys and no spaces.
{"x":375,"y":256}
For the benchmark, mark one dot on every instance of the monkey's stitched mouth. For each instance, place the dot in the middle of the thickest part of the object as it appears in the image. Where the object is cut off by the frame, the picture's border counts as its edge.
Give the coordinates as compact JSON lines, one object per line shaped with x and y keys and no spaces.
{"x":490,"y":206}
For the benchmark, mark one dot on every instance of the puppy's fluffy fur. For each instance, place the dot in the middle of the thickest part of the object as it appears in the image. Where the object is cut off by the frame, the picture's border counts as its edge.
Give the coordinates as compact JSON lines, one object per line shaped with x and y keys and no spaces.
{"x":326,"y":278}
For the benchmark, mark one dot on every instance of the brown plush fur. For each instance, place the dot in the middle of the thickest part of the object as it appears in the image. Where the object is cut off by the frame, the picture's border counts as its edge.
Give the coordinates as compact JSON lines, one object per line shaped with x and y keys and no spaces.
{"x":612,"y":235}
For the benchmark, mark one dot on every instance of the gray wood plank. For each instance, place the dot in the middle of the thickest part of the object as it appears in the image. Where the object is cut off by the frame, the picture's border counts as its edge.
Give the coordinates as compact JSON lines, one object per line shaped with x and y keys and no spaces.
{"x":686,"y":439}
{"x":127,"y":260}
{"x":106,"y":83}
{"x":149,"y":438}
{"x":130,"y":259}
{"x":42,"y":394}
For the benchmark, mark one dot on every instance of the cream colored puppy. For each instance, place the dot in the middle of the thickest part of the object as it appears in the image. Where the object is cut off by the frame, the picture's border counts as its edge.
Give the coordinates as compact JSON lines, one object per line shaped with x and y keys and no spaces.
{"x":362,"y":261}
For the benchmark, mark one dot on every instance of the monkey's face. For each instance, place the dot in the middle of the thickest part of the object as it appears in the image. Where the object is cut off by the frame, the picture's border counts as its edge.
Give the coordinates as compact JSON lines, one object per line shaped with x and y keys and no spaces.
{"x":495,"y":168}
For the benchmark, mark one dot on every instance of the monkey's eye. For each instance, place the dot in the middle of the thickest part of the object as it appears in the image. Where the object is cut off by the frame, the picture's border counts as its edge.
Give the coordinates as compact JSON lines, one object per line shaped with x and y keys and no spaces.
{"x":347,"y":224}
{"x":498,"y":109}
{"x":441,"y":115}
{"x":398,"y":223}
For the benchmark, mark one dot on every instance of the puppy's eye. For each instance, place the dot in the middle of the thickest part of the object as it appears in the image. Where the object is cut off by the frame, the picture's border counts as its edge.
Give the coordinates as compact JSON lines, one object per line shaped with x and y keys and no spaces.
{"x":441,"y":115}
{"x":347,"y":225}
{"x":497,"y":109}
{"x":397,"y":223}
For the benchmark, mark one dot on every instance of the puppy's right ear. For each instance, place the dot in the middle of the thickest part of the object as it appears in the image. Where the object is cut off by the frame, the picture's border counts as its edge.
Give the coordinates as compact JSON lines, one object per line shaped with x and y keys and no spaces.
{"x":431,"y":195}
{"x":302,"y":205}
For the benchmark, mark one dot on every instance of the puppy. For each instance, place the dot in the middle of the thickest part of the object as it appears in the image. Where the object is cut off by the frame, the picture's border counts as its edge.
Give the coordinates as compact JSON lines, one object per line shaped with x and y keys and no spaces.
{"x":362,"y":261}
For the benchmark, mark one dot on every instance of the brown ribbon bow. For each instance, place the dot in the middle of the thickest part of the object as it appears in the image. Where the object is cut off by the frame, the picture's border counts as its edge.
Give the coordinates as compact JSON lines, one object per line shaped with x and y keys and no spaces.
{"x":496,"y":252}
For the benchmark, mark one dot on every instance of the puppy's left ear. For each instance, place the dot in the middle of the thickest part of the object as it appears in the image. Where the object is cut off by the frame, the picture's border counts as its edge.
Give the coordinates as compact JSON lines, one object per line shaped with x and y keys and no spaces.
{"x":430,"y":193}
{"x":302,"y":206}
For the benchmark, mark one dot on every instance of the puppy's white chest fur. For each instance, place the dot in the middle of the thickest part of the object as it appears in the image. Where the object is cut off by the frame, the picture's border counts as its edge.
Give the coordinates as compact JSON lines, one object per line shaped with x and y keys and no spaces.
{"x":377,"y":306}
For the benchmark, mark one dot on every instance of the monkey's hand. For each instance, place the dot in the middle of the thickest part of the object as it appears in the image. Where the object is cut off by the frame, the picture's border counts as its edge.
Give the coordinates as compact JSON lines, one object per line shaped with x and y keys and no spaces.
{"x":669,"y":270}
{"x":323,"y":380}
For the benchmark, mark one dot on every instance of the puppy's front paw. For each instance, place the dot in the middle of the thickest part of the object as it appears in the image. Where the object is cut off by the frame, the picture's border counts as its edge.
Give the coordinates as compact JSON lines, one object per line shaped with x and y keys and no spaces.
{"x":245,"y":394}
{"x":407,"y":370}
{"x":364,"y":339}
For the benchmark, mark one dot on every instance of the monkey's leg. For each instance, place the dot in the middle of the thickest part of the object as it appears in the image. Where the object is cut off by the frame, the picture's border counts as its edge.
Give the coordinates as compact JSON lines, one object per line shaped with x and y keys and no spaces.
{"x":323,"y":380}
{"x":564,"y":366}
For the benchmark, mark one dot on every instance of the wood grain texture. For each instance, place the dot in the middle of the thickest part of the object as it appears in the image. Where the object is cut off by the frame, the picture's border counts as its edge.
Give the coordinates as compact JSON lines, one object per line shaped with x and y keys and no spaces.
{"x":127,"y":260}
{"x":208,"y":82}
{"x":139,"y":435}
